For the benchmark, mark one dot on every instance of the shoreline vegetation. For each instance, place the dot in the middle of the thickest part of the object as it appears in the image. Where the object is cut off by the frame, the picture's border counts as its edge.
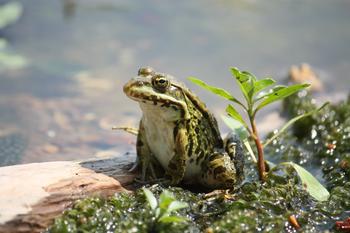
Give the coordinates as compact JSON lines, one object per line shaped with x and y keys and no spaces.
{"x":318,"y":142}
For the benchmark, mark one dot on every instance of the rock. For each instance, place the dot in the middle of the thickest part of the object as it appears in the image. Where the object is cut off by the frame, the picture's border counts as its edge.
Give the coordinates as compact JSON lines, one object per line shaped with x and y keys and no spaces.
{"x":32,"y":195}
{"x":304,"y":74}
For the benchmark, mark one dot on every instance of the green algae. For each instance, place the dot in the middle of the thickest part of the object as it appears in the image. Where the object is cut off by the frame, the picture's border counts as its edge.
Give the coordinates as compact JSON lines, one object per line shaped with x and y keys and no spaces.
{"x":319,"y":143}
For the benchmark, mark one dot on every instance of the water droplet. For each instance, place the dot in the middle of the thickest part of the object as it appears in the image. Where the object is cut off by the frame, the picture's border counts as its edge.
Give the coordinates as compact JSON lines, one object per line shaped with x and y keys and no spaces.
{"x":313,"y":133}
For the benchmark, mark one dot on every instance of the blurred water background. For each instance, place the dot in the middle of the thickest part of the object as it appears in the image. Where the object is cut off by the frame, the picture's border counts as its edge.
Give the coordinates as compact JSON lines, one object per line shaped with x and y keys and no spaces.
{"x":63,"y":63}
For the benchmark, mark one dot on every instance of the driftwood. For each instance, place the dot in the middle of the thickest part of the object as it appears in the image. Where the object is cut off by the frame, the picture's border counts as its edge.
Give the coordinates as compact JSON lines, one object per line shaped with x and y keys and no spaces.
{"x":32,"y":195}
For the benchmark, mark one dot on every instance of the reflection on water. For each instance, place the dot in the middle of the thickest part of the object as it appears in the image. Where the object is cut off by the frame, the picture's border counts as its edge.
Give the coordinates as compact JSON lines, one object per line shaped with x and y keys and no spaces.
{"x":81,"y":52}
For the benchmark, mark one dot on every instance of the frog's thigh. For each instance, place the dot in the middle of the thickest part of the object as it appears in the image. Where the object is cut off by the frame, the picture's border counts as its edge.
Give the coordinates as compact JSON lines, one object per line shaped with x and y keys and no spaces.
{"x":220,"y":171}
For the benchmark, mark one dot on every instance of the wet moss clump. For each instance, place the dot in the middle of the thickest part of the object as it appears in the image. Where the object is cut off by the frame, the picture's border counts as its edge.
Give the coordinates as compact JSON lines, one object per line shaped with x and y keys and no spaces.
{"x":255,"y":207}
{"x":121,"y":213}
{"x":319,"y":143}
{"x":269,"y":207}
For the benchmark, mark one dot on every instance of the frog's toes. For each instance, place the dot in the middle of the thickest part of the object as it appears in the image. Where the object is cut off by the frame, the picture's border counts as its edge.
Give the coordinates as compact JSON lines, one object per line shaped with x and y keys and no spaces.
{"x":141,"y":181}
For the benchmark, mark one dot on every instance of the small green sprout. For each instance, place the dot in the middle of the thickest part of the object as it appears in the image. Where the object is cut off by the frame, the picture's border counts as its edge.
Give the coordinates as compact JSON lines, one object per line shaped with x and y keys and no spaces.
{"x":163,"y":208}
{"x":256,"y":98}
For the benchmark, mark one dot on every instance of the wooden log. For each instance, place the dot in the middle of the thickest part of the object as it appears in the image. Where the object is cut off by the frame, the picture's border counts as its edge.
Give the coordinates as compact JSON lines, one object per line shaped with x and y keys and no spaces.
{"x":32,"y":195}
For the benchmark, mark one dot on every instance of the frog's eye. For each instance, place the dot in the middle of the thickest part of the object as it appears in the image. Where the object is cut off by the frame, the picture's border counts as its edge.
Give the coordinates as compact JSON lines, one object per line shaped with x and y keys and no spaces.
{"x":145,"y":71}
{"x":160,"y":82}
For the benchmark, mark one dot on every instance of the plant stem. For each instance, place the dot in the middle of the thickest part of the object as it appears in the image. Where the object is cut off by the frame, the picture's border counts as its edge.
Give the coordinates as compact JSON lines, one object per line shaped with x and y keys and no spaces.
{"x":259,"y":148}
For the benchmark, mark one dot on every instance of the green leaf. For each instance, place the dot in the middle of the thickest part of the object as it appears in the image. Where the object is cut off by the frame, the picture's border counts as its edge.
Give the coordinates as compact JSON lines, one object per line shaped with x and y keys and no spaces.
{"x":262,"y":84}
{"x":310,"y":183}
{"x":218,"y":91}
{"x":236,"y":126}
{"x":176,"y":205}
{"x":235,"y":71}
{"x":232,"y":112}
{"x":172,"y":219}
{"x":165,"y":199}
{"x":280,"y":93}
{"x":245,"y":82}
{"x":252,"y":76}
{"x":250,"y":150}
{"x":264,"y":94}
{"x":9,"y":13}
{"x":152,"y":201}
{"x":292,"y":121}
{"x":270,"y":164}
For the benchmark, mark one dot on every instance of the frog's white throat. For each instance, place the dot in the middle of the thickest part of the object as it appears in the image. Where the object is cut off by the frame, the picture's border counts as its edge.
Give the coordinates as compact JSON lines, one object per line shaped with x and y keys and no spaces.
{"x":166,"y":113}
{"x":159,"y":134}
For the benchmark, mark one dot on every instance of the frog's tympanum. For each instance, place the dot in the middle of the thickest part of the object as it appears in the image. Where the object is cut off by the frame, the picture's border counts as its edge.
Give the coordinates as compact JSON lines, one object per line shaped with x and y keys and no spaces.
{"x":179,"y":136}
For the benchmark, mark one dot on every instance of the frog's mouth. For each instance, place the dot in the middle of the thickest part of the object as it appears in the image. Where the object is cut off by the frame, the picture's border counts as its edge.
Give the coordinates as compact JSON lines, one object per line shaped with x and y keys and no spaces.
{"x":144,"y":93}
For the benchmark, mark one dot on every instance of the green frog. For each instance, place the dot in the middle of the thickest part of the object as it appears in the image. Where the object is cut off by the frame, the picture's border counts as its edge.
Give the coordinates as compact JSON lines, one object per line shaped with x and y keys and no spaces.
{"x":179,"y":140}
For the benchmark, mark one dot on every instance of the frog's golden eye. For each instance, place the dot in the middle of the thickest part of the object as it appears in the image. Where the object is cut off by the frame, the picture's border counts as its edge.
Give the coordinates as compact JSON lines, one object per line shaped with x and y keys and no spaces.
{"x":160,"y":82}
{"x":145,"y":71}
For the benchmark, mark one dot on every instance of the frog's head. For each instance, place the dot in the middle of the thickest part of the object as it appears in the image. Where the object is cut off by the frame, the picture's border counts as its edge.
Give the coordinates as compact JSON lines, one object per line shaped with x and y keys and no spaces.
{"x":158,"y":93}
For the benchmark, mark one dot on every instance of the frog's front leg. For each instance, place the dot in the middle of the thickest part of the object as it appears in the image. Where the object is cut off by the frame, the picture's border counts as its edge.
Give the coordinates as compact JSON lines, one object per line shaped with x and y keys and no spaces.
{"x":145,"y":159}
{"x":177,"y":165}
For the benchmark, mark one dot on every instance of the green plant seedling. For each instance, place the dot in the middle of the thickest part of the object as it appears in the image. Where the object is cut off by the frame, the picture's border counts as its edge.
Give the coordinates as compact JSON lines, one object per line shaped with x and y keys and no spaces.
{"x":165,"y":206}
{"x":256,"y":98}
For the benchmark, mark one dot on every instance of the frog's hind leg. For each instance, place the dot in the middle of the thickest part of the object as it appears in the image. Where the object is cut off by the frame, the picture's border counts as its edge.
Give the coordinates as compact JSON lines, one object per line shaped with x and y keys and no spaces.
{"x":224,"y":168}
{"x":220,"y":172}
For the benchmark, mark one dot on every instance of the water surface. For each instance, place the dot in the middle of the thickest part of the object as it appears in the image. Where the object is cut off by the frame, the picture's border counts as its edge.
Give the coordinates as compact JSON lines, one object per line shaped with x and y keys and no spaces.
{"x":80,"y":53}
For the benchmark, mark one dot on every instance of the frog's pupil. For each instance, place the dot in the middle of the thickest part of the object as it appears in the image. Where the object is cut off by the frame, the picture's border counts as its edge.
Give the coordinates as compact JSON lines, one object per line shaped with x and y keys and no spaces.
{"x":161,"y":81}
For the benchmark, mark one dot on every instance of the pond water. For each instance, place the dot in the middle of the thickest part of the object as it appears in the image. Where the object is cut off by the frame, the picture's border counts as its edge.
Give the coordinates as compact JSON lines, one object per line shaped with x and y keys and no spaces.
{"x":79,"y":53}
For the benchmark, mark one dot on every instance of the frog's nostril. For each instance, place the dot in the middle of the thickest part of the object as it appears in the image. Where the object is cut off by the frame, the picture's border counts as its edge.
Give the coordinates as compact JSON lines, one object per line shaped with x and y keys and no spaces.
{"x":145,"y":71}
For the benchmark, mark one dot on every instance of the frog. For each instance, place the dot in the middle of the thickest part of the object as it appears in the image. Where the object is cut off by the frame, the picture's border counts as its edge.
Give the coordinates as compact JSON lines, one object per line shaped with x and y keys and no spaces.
{"x":179,"y":141}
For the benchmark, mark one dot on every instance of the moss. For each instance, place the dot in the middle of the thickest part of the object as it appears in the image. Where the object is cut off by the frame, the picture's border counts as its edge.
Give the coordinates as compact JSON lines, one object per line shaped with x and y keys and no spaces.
{"x":319,"y":143}
{"x":264,"y":207}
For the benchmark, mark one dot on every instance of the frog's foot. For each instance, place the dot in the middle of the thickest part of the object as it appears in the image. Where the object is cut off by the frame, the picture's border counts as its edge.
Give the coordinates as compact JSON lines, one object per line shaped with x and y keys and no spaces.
{"x":223,"y":194}
{"x":134,"y":167}
{"x":140,"y":181}
{"x":162,"y":181}
{"x":149,"y":173}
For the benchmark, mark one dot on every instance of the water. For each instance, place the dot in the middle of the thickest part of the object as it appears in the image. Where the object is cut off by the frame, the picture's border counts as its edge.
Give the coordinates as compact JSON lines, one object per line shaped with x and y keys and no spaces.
{"x":80,"y":54}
